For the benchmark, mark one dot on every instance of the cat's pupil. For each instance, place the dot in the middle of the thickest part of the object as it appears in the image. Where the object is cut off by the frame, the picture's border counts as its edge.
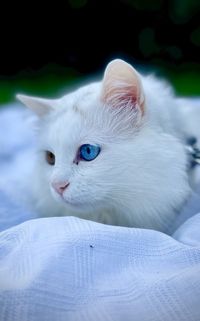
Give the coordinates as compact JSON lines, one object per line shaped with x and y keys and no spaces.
{"x":88,"y":150}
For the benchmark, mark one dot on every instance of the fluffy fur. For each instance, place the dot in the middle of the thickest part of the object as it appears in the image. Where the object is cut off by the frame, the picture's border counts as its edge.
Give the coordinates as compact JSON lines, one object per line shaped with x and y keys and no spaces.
{"x":140,"y":177}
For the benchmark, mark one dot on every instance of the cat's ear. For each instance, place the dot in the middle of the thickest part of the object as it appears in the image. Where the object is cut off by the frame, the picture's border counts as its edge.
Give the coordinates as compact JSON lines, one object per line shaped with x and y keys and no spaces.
{"x":40,"y":106}
{"x":122,"y":86}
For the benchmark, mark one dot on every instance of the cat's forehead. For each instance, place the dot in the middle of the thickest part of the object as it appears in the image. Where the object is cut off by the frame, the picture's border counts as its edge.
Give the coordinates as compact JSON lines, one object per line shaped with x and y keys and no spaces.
{"x":73,"y":118}
{"x":64,"y":131}
{"x":77,"y":108}
{"x":82,"y":99}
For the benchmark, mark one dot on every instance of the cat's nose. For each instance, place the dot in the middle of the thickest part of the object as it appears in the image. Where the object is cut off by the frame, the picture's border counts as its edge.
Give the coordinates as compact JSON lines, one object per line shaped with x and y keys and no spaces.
{"x":60,"y":187}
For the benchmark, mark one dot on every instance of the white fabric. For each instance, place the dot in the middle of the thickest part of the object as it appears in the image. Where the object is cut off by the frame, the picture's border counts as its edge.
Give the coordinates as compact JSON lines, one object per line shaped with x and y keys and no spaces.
{"x":63,"y":269}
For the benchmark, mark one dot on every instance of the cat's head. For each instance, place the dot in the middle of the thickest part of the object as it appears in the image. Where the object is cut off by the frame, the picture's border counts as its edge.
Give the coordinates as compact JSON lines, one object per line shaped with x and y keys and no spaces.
{"x":97,"y":150}
{"x":83,"y":137}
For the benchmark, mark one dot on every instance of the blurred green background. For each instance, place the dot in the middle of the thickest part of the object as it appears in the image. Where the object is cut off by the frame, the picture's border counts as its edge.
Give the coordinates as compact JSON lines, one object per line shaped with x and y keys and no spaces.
{"x":46,"y":48}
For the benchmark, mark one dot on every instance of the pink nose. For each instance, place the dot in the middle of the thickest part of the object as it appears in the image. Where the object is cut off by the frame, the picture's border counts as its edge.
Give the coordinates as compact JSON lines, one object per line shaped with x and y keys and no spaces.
{"x":60,"y":186}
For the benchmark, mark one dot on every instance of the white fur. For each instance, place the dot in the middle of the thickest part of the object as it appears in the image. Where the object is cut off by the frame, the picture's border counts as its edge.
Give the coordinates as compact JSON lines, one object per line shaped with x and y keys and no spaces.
{"x":140,"y":177}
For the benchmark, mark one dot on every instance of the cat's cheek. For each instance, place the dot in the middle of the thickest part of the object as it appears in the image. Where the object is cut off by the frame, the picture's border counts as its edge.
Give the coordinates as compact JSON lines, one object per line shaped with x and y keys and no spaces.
{"x":55,"y":195}
{"x":47,"y":172}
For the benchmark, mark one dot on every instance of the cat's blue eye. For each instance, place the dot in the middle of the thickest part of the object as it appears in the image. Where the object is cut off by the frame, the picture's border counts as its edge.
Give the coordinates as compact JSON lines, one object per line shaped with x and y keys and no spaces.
{"x":89,"y":152}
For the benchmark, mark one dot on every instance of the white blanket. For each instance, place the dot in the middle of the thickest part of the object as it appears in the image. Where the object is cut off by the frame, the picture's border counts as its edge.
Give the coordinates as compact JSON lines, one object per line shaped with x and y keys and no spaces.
{"x":68,"y":269}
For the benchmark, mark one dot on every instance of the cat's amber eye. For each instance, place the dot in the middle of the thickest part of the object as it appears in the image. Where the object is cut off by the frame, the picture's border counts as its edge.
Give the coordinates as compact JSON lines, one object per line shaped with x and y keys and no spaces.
{"x":50,"y":157}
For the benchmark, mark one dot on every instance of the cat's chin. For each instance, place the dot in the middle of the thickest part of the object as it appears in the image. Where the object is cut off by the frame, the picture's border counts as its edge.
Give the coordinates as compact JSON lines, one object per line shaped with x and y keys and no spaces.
{"x":74,"y":205}
{"x":78,"y":207}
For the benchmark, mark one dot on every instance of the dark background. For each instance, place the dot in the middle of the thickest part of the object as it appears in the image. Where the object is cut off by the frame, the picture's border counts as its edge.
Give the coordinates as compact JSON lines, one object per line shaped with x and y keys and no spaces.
{"x":46,"y":46}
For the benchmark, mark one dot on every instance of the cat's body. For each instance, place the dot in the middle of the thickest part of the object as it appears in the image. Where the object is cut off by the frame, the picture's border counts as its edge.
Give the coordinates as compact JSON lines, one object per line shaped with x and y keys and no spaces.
{"x":140,"y":176}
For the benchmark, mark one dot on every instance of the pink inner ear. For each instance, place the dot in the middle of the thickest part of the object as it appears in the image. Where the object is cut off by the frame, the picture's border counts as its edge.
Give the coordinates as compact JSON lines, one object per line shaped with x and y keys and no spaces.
{"x":121,"y":96}
{"x":122,"y":86}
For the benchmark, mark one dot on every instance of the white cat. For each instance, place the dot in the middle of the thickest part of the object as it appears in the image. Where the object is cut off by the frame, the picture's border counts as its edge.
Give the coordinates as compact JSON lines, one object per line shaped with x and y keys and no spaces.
{"x":112,"y":152}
